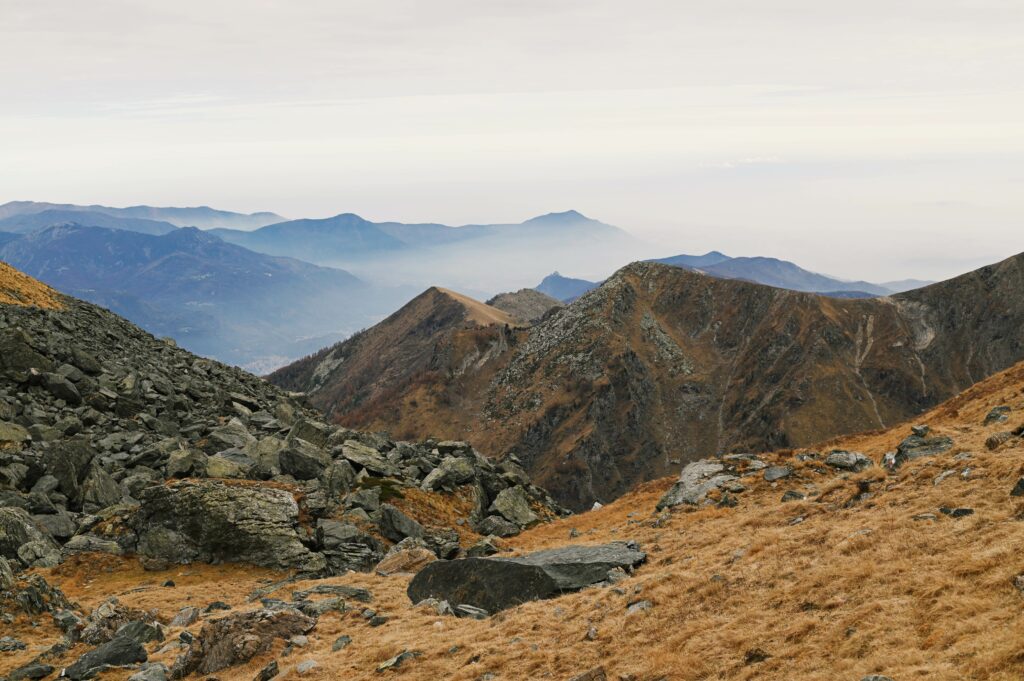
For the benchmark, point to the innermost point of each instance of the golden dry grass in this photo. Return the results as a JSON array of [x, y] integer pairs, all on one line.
[[856, 587], [481, 313], [17, 288]]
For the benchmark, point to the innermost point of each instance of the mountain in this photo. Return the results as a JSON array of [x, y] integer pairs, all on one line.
[[203, 217], [906, 284], [772, 272], [215, 298], [661, 364], [525, 304], [347, 235], [695, 261], [340, 237], [24, 223], [565, 289], [478, 258], [438, 336]]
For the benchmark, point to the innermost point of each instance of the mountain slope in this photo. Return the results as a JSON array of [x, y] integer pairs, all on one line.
[[215, 298], [660, 364], [25, 223], [200, 216], [864, 575], [439, 336]]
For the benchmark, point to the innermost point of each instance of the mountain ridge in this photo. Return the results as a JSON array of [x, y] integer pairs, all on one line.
[[640, 371]]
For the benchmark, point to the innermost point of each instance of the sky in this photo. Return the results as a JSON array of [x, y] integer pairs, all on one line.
[[875, 140]]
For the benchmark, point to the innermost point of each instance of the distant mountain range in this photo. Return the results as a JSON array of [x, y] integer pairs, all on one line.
[[203, 217], [25, 223], [664, 364], [214, 298], [347, 235], [758, 270]]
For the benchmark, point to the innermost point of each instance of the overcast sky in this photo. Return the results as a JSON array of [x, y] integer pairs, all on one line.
[[870, 139]]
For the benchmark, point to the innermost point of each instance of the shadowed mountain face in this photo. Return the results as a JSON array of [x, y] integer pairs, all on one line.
[[660, 365], [525, 304], [215, 298], [202, 216], [25, 223], [565, 289]]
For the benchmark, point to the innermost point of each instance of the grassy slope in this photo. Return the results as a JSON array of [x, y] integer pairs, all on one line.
[[853, 589]]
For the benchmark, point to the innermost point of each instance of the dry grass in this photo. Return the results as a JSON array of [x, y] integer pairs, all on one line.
[[857, 587], [20, 289]]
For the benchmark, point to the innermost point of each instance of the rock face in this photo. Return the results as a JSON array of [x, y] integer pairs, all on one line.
[[238, 638], [494, 584], [607, 391], [212, 521]]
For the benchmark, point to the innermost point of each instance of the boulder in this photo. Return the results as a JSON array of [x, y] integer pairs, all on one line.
[[368, 458], [118, 651], [513, 504], [916, 446], [210, 521], [773, 473], [485, 583], [451, 472], [61, 388], [346, 547], [303, 461], [12, 435], [847, 461], [695, 481], [1000, 414], [495, 584], [497, 526], [21, 540], [32, 670], [574, 567], [410, 560], [396, 526], [239, 637]]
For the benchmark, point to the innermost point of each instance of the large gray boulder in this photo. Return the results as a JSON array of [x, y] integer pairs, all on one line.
[[916, 446], [695, 481], [214, 521], [482, 583], [847, 460], [574, 567], [498, 583], [116, 652], [513, 504]]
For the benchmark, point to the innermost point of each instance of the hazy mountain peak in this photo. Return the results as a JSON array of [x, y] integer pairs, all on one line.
[[563, 217]]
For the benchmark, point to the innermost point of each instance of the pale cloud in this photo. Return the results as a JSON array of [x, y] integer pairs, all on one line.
[[857, 138]]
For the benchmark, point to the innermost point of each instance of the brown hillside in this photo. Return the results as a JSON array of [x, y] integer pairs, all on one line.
[[20, 289], [660, 365], [440, 338], [841, 585]]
